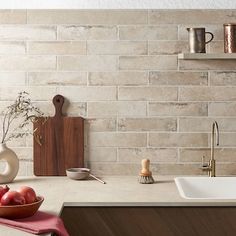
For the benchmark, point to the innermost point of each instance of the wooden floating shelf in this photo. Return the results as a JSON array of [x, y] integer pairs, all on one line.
[[207, 56]]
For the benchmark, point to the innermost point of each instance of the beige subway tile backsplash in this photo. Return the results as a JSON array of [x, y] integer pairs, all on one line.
[[201, 124], [12, 47], [118, 108], [117, 47], [164, 32], [222, 109], [147, 124], [207, 94], [147, 93], [103, 17], [88, 62], [178, 109], [78, 32], [13, 16], [118, 78], [83, 93], [27, 32], [57, 78], [191, 16], [223, 78], [205, 65], [167, 47], [148, 62], [119, 70], [113, 139], [27, 63], [155, 155], [57, 47], [178, 78], [178, 139]]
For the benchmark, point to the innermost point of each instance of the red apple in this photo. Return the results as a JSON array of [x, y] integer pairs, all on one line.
[[12, 198], [3, 190], [28, 193]]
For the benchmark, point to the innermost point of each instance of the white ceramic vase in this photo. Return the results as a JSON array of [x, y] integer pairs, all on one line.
[[12, 164]]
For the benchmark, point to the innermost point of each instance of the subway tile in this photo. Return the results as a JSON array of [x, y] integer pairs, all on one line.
[[196, 154], [155, 155], [90, 62], [191, 16], [167, 47], [164, 32], [178, 78], [205, 124], [13, 78], [207, 94], [227, 139], [226, 169], [177, 169], [178, 109], [100, 154], [27, 32], [163, 62], [12, 47], [100, 124], [148, 93], [79, 32], [117, 47], [222, 109], [57, 78], [207, 65], [88, 93], [178, 139], [118, 108], [87, 17], [57, 47], [118, 78], [223, 78], [36, 93], [13, 16], [113, 139], [147, 124], [27, 63], [111, 168]]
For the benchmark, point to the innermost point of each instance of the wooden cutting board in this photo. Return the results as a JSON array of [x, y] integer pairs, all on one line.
[[58, 142]]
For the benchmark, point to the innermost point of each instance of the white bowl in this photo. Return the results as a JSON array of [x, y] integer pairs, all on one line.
[[78, 173]]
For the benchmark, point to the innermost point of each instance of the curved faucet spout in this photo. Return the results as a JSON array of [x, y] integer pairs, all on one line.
[[215, 127]]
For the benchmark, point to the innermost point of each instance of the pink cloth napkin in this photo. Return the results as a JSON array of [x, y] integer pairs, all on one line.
[[39, 223]]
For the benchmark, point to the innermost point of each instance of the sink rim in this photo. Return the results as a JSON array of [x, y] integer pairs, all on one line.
[[184, 194]]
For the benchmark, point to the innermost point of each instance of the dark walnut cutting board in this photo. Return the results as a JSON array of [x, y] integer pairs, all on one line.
[[58, 142]]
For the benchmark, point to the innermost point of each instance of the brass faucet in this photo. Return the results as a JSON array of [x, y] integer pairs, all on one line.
[[211, 165]]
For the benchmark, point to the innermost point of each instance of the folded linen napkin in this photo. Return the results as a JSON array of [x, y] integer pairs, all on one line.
[[39, 223]]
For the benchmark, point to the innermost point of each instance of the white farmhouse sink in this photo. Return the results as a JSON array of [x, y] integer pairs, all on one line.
[[206, 187]]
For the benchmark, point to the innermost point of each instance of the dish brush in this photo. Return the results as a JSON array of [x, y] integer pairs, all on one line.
[[145, 176]]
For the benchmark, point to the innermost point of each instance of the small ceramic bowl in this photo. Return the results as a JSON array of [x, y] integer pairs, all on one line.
[[20, 211], [78, 173]]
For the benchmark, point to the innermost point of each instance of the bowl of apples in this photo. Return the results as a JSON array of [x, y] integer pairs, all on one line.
[[18, 204]]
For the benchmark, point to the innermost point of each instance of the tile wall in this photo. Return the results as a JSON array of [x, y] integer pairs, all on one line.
[[119, 70]]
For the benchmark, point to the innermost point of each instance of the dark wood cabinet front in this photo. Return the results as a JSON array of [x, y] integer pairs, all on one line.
[[150, 221]]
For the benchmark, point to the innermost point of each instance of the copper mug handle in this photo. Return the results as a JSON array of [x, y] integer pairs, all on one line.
[[212, 37]]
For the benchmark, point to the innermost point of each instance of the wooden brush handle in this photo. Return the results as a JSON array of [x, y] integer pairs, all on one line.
[[145, 167]]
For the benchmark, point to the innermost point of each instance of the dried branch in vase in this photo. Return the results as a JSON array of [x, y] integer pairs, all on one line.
[[23, 110]]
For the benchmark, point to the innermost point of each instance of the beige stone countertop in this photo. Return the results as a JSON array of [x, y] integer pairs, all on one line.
[[124, 190]]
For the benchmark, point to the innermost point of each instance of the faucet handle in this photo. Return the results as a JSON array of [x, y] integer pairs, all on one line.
[[204, 164]]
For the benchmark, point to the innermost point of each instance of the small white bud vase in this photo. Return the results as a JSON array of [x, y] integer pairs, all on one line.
[[12, 164]]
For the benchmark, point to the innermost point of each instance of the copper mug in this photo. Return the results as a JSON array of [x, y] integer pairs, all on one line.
[[229, 38], [197, 39]]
